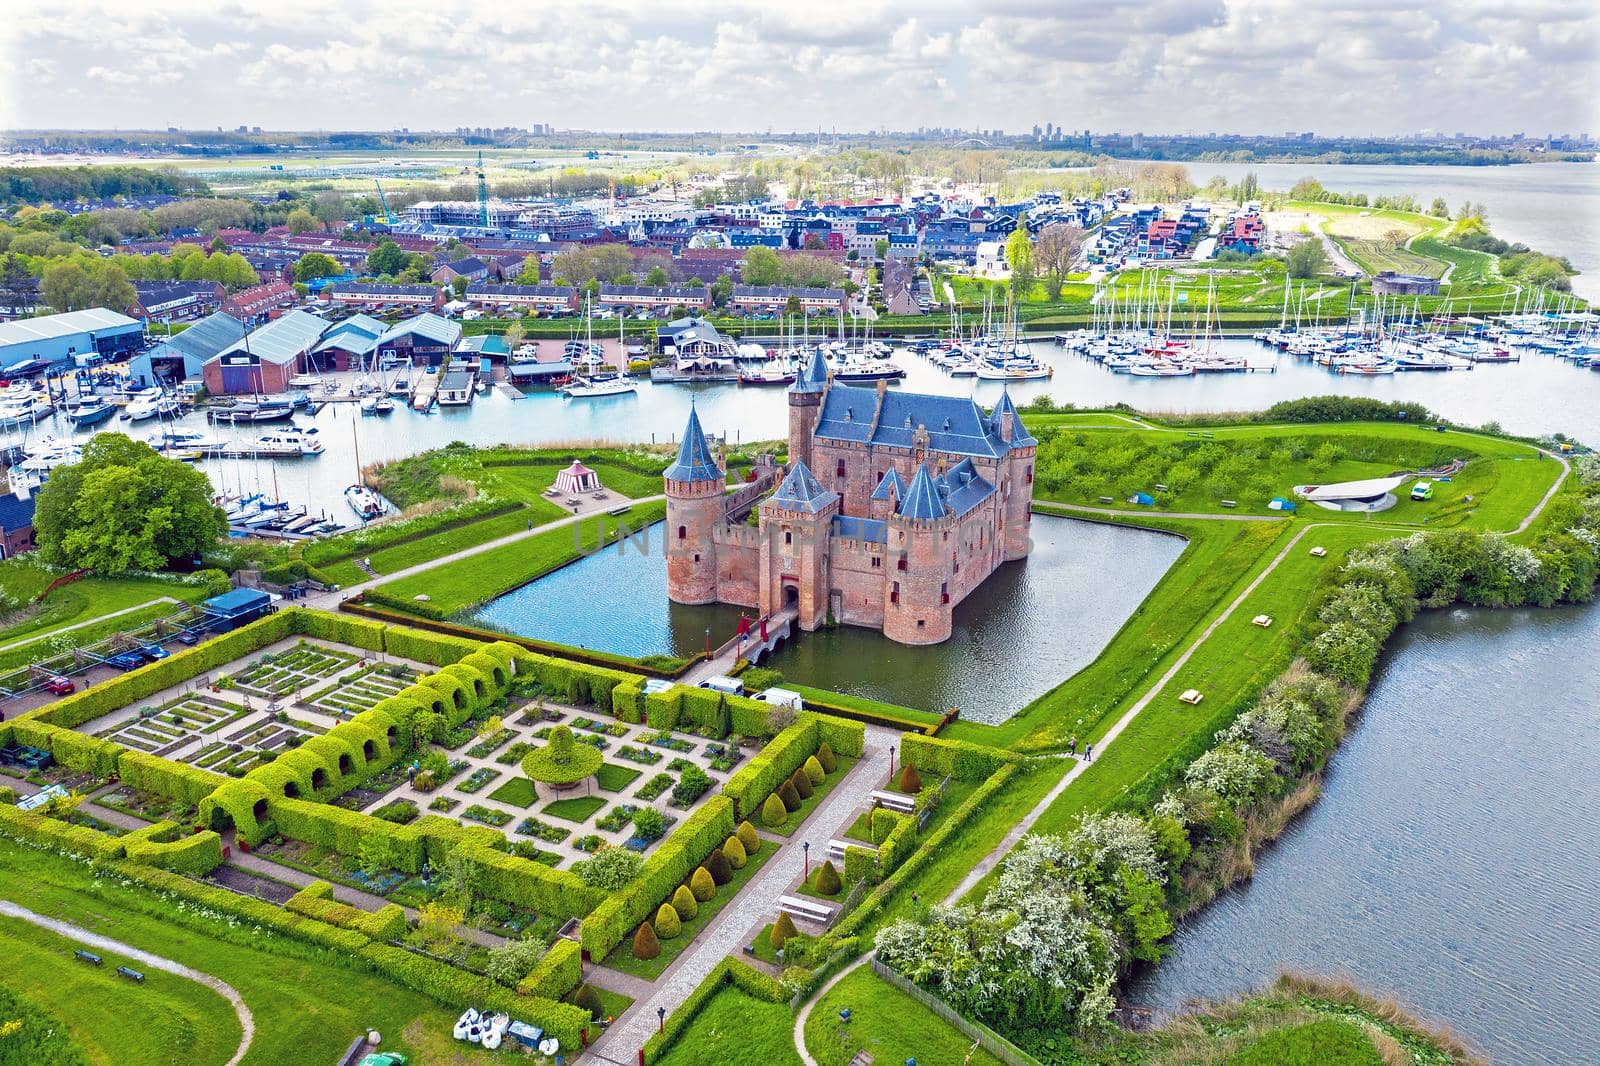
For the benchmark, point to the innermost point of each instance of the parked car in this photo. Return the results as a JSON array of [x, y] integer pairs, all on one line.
[[153, 652], [59, 686], [125, 660]]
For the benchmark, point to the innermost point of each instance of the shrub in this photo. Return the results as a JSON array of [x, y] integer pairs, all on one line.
[[828, 879], [909, 781], [649, 823], [825, 756], [645, 944], [556, 974], [749, 837], [691, 786], [782, 930], [611, 869], [720, 869], [683, 902], [774, 813], [788, 796], [953, 758], [589, 1000], [703, 885], [514, 961], [733, 853], [667, 923], [802, 784], [562, 761], [814, 771]]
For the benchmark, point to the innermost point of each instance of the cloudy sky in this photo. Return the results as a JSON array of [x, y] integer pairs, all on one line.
[[1334, 66]]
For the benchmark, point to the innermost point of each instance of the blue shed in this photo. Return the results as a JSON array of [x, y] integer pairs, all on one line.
[[233, 609], [1280, 504]]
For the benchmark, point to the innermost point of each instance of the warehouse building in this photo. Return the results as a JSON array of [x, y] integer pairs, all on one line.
[[264, 360], [73, 339], [182, 356]]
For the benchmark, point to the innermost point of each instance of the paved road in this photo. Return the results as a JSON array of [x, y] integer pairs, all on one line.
[[247, 1023], [755, 903]]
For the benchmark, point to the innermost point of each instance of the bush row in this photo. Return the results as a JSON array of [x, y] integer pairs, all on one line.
[[557, 973], [783, 755], [958, 759], [160, 845], [523, 882], [674, 860], [316, 901]]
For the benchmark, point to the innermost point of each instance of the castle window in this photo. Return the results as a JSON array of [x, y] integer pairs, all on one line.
[[920, 623], [901, 565], [876, 562], [894, 592], [697, 557], [1030, 474], [944, 593], [788, 537], [958, 566], [839, 470]]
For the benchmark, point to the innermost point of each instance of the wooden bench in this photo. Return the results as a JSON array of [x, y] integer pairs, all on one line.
[[88, 956], [836, 848], [808, 909], [895, 801], [1230, 503], [1262, 620], [1319, 551], [132, 975]]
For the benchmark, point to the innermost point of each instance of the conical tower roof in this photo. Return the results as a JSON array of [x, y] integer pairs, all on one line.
[[695, 461], [922, 500], [813, 376]]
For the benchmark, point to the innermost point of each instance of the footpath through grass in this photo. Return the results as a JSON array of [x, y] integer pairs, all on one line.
[[78, 602], [164, 1019], [881, 1024], [308, 1004]]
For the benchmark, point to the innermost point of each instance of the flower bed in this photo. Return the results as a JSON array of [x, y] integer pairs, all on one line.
[[617, 817], [655, 787], [550, 834], [513, 755], [639, 755], [444, 804], [477, 779], [487, 815], [486, 745], [665, 739]]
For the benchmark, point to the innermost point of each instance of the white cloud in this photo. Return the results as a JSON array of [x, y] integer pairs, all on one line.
[[1377, 66]]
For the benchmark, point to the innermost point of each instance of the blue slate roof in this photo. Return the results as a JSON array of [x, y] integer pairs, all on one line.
[[15, 512], [891, 487], [801, 491], [813, 377], [922, 501], [867, 529], [963, 488], [955, 424], [694, 462], [1020, 437]]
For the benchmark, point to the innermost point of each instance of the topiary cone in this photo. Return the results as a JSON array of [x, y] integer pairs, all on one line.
[[667, 923], [733, 853], [683, 902], [828, 879], [782, 930], [909, 781], [702, 885], [720, 868], [749, 837], [825, 756], [814, 771], [789, 797], [589, 1000], [773, 812], [645, 944], [802, 784]]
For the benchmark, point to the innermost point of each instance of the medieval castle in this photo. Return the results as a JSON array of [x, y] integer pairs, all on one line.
[[895, 506]]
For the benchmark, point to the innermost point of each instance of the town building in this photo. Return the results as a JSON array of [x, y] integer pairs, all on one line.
[[263, 360], [260, 301], [472, 268], [1389, 283], [16, 524], [348, 344], [373, 295], [654, 297], [894, 508], [175, 301], [523, 298], [776, 298], [426, 340], [68, 340]]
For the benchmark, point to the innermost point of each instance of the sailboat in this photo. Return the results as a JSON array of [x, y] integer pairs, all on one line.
[[594, 386], [363, 501]]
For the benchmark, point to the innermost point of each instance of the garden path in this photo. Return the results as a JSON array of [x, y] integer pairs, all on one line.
[[247, 1023], [96, 620], [757, 902]]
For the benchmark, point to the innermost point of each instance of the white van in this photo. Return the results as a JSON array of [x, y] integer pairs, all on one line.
[[728, 686], [781, 697]]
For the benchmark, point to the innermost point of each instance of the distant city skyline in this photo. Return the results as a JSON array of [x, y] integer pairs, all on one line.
[[1345, 67]]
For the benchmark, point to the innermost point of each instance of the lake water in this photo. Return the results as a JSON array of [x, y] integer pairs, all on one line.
[[1538, 395], [1551, 207], [1452, 858], [1032, 624]]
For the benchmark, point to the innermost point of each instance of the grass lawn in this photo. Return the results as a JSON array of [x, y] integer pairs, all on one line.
[[621, 957], [733, 1027], [886, 1023], [861, 829], [478, 578], [437, 545], [1311, 1044], [80, 601], [862, 703], [809, 886], [518, 792], [284, 982], [614, 778], [797, 818], [576, 809], [613, 1002], [176, 1019]]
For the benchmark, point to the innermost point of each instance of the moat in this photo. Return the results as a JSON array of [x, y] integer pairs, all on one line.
[[1028, 627]]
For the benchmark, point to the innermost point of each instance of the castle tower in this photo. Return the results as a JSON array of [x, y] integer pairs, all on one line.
[[796, 523], [1015, 478], [917, 607], [805, 402], [694, 486]]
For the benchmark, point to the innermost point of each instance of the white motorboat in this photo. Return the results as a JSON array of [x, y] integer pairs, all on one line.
[[147, 405], [304, 381], [47, 453], [1161, 368], [27, 410], [1013, 370], [594, 387], [289, 442], [364, 502]]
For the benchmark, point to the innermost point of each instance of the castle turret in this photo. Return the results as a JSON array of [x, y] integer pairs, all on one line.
[[918, 609], [795, 525], [805, 399], [1015, 478], [695, 485]]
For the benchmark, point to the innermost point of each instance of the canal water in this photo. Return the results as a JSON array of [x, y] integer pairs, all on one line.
[[1030, 625], [1540, 394], [1452, 859]]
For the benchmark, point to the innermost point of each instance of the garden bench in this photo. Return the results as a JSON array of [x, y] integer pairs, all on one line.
[[1107, 499], [132, 975], [836, 848], [1230, 503], [807, 909], [895, 801], [1319, 551], [88, 956], [1262, 620]]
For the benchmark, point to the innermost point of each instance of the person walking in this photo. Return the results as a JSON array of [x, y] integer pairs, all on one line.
[[1072, 745], [1088, 753]]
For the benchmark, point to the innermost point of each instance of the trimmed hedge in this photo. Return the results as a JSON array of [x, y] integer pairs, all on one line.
[[342, 629], [163, 777], [526, 883], [342, 830], [729, 971], [316, 901], [958, 759], [244, 804], [620, 913], [160, 845], [555, 975], [56, 835], [768, 771], [431, 648]]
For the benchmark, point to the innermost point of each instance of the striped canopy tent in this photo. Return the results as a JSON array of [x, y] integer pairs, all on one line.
[[577, 479]]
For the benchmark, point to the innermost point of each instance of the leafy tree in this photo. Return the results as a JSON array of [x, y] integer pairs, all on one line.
[[657, 277], [375, 854], [514, 335], [1019, 257], [387, 258], [611, 868], [649, 823], [511, 961], [76, 286], [529, 274], [813, 243], [880, 247], [722, 290], [791, 306], [301, 221], [1306, 259], [316, 265], [124, 507], [1056, 252], [1440, 209], [761, 267], [18, 287], [459, 285]]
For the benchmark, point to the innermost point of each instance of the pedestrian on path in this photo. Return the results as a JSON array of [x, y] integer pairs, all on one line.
[[1072, 745], [1088, 753]]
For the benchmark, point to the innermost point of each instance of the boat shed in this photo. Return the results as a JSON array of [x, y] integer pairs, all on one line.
[[73, 339], [233, 609], [427, 339], [182, 356], [265, 359]]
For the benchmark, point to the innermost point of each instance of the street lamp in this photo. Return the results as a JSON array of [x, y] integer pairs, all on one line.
[[661, 1019], [708, 642], [805, 848]]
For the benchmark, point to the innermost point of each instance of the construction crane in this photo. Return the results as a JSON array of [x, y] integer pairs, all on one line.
[[388, 215], [483, 194]]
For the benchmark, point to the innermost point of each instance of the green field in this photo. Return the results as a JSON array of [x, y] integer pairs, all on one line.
[[736, 1027], [81, 601], [880, 1024]]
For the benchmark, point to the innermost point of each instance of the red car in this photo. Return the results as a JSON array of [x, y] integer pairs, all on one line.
[[59, 686]]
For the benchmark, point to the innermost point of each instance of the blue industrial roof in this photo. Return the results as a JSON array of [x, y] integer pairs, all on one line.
[[922, 500], [66, 324], [868, 529], [891, 487], [802, 492], [694, 462], [230, 603], [206, 337], [955, 424]]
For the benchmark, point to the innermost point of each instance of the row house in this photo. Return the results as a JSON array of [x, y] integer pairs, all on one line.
[[175, 301], [523, 298], [375, 295], [261, 301], [776, 298], [654, 296]]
